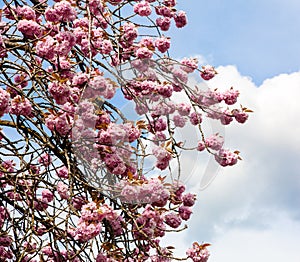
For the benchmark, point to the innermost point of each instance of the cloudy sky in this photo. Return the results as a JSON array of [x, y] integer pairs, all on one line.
[[251, 212]]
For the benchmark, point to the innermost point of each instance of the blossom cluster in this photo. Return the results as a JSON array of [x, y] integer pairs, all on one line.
[[74, 168]]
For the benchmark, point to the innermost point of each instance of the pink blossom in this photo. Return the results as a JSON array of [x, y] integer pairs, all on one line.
[[20, 106], [62, 123], [29, 28], [130, 33], [195, 118], [159, 125], [180, 19], [180, 75], [5, 240], [189, 64], [226, 158], [26, 12], [208, 72], [14, 196], [65, 41], [45, 47], [45, 159], [60, 92], [240, 116], [188, 199], [80, 79], [170, 3], [165, 89], [63, 190], [105, 47], [61, 12], [214, 142], [4, 102], [179, 121], [62, 172], [173, 220], [78, 202], [226, 117], [198, 253], [47, 195], [163, 44], [230, 96], [163, 157], [183, 109], [143, 52], [150, 223], [41, 230], [100, 86], [163, 23], [21, 79], [96, 6], [201, 146], [185, 212], [142, 8], [164, 11]]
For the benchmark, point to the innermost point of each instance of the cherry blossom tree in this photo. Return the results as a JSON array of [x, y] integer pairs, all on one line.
[[81, 179]]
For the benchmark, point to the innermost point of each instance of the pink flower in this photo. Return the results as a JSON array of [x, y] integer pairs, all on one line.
[[60, 92], [208, 72], [143, 52], [226, 158], [226, 117], [4, 102], [179, 121], [105, 47], [163, 44], [165, 89], [78, 202], [45, 47], [183, 109], [240, 116], [20, 106], [45, 159], [47, 195], [63, 190], [214, 142], [189, 65], [188, 199], [29, 28], [142, 8], [130, 33], [62, 172], [185, 212], [164, 11], [198, 253], [195, 118], [201, 146], [173, 220], [163, 157], [170, 3], [180, 19], [26, 12], [230, 96], [61, 12], [163, 23]]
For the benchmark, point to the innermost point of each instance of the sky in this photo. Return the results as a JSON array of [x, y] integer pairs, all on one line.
[[250, 212]]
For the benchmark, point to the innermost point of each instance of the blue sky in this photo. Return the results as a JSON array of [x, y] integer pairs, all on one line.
[[260, 37], [251, 212]]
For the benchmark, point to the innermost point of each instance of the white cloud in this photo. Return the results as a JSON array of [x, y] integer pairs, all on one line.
[[251, 211]]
